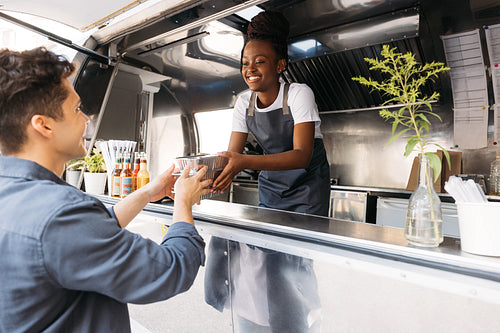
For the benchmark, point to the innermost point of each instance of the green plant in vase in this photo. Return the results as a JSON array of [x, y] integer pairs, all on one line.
[[404, 78]]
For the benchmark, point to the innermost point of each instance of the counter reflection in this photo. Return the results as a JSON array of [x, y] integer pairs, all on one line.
[[266, 290]]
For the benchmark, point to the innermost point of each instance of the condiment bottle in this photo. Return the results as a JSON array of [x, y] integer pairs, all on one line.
[[495, 176], [137, 165], [115, 178], [143, 174], [126, 178]]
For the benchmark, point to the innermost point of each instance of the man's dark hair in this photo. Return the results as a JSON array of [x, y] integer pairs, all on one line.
[[30, 84], [273, 27]]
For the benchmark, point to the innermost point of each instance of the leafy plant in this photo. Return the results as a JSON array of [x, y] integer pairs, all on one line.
[[95, 162], [76, 164], [404, 79]]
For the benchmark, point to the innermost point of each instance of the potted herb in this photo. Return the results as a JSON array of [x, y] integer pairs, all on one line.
[[403, 79], [95, 172], [73, 170]]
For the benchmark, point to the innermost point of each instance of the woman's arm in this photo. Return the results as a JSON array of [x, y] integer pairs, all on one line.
[[299, 157]]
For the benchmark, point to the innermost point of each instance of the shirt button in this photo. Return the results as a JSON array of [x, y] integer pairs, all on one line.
[[225, 253], [226, 282]]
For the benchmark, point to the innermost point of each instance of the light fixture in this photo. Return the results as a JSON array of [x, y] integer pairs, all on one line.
[[181, 41]]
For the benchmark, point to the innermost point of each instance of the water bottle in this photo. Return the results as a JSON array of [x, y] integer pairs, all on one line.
[[495, 176]]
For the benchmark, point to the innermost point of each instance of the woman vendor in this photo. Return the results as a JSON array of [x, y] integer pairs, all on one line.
[[271, 291], [285, 121]]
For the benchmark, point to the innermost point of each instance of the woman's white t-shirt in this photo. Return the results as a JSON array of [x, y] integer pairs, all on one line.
[[300, 101]]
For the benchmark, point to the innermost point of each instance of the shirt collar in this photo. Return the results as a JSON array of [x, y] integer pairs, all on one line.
[[21, 168]]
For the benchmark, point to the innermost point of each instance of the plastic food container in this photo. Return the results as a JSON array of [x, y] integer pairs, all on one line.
[[214, 163], [479, 225]]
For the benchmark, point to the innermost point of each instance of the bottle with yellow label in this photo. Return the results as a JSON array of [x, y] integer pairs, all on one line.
[[143, 174]]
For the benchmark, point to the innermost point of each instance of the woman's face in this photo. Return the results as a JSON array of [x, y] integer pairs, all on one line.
[[260, 65]]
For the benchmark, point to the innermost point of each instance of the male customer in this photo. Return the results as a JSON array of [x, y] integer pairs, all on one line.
[[66, 264]]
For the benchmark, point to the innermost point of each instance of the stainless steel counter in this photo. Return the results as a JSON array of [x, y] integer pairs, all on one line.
[[378, 241], [336, 270]]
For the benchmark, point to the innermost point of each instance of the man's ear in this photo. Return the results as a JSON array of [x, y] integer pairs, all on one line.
[[42, 125]]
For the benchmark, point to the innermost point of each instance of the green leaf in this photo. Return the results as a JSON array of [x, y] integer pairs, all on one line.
[[394, 137], [395, 125], [410, 146], [446, 154], [435, 164]]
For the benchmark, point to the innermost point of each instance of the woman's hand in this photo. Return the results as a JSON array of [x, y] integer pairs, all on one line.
[[233, 167]]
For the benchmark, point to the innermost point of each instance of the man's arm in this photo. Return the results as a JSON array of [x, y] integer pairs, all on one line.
[[187, 193]]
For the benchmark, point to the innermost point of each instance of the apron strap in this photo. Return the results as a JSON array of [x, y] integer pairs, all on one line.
[[251, 105], [286, 109]]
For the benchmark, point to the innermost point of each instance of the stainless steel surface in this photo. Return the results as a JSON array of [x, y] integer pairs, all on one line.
[[375, 30], [350, 206], [390, 294], [391, 212], [244, 193], [373, 108], [385, 191], [355, 146], [364, 238], [209, 12]]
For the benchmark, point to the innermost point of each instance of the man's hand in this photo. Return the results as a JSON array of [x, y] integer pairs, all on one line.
[[188, 191], [162, 185]]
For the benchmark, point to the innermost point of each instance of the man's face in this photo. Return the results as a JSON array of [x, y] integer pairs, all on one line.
[[69, 141]]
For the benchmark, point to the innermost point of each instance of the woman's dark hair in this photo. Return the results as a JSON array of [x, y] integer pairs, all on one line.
[[273, 27], [30, 84]]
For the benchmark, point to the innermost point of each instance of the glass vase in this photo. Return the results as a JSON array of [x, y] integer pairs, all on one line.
[[424, 221]]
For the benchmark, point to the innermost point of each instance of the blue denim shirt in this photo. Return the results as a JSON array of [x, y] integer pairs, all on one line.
[[67, 266]]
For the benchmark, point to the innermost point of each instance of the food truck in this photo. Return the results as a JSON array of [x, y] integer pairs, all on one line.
[[165, 74]]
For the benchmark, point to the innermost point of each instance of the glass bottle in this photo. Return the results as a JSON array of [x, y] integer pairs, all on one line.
[[424, 221], [137, 165], [115, 177], [143, 174], [126, 178], [495, 176]]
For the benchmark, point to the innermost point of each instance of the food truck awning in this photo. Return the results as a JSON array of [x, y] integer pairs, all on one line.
[[85, 15]]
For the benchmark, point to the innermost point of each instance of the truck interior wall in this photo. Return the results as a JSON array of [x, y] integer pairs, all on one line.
[[201, 81], [356, 148]]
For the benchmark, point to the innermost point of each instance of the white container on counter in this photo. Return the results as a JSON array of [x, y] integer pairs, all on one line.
[[479, 225]]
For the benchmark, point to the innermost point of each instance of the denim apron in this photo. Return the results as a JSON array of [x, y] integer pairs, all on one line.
[[298, 190]]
